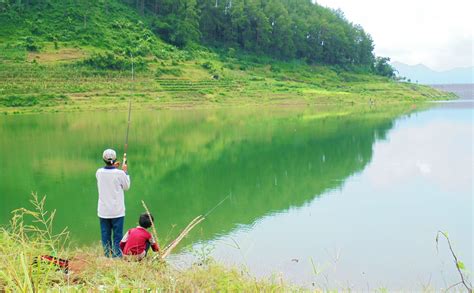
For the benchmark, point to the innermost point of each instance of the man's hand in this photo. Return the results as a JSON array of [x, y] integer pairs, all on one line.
[[125, 168]]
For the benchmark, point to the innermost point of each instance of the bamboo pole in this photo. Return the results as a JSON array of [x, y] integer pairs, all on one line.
[[155, 235], [162, 254], [184, 233]]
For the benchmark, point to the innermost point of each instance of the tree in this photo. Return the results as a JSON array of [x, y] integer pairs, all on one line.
[[281, 28], [281, 36], [187, 30], [256, 34], [383, 68]]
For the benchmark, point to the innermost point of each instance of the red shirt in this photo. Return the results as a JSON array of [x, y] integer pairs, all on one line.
[[134, 242]]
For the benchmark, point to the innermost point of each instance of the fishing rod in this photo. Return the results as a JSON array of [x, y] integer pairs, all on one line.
[[125, 149]]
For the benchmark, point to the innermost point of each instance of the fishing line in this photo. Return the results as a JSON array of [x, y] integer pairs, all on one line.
[[217, 205]]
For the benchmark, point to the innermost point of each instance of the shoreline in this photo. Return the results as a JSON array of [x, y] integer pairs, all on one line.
[[122, 105]]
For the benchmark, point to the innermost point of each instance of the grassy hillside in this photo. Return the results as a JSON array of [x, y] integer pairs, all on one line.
[[66, 57]]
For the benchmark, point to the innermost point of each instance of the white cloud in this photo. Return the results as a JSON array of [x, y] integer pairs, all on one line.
[[436, 33], [407, 156]]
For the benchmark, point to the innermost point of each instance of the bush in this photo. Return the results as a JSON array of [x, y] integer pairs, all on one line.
[[168, 71], [32, 100], [207, 65], [383, 68], [113, 61], [230, 66], [31, 45], [231, 52], [19, 101], [275, 69], [244, 67]]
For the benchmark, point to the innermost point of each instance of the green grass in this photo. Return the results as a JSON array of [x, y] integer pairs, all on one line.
[[190, 83], [55, 53], [30, 235], [43, 100]]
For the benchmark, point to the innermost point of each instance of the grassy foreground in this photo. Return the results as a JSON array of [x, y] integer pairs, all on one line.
[[30, 235]]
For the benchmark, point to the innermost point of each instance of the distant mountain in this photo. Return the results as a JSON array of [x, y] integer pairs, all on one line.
[[426, 75]]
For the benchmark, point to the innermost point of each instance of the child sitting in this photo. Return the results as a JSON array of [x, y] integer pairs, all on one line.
[[137, 241]]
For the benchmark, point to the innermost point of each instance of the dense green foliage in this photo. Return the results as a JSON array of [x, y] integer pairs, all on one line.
[[286, 29], [382, 67], [108, 26], [32, 100], [84, 50], [281, 29]]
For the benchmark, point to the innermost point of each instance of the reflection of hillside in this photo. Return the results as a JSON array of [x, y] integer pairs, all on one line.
[[268, 174], [183, 163]]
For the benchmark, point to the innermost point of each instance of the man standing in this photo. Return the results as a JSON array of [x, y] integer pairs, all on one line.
[[111, 183]]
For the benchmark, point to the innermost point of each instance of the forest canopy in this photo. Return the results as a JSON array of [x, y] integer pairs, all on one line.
[[282, 29], [285, 29]]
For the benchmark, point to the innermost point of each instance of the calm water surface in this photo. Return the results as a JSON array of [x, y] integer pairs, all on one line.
[[342, 200]]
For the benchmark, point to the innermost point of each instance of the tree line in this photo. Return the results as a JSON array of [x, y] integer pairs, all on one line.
[[283, 29]]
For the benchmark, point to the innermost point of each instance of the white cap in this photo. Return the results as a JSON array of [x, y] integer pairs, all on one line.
[[109, 155]]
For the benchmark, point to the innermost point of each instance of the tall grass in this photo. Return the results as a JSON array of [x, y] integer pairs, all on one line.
[[30, 234]]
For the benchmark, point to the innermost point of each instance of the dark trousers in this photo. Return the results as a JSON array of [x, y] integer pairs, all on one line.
[[111, 243]]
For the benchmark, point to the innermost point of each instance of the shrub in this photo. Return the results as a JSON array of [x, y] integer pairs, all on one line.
[[207, 65], [168, 71], [113, 61], [19, 101], [32, 100], [230, 66], [382, 67], [231, 52], [275, 69], [244, 67], [31, 45]]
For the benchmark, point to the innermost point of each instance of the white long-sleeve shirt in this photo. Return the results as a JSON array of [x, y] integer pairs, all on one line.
[[111, 183]]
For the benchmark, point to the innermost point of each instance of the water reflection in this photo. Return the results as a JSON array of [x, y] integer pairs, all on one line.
[[378, 229], [183, 163]]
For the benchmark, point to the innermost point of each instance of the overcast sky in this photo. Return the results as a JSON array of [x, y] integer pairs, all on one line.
[[437, 33]]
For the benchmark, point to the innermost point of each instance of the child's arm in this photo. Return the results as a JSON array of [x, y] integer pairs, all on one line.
[[154, 245], [123, 241]]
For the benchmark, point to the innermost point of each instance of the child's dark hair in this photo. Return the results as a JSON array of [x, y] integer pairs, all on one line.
[[145, 220]]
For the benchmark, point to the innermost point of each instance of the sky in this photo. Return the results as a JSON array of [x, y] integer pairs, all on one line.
[[436, 33]]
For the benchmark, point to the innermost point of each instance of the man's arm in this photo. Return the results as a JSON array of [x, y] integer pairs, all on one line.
[[125, 178]]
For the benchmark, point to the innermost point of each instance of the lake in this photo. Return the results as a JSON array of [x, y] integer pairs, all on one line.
[[328, 198]]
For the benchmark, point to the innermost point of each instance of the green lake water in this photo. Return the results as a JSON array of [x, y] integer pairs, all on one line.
[[274, 168], [183, 163]]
